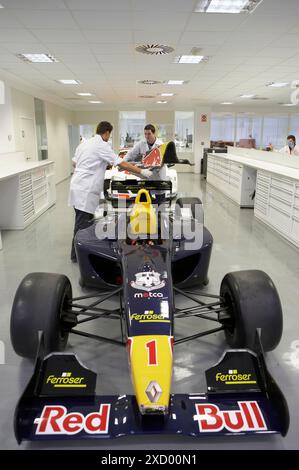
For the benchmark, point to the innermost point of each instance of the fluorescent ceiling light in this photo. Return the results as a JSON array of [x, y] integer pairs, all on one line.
[[246, 96], [226, 6], [37, 57], [174, 82], [188, 59], [70, 82], [277, 84], [289, 104], [166, 94], [226, 102], [84, 94], [161, 102], [95, 102]]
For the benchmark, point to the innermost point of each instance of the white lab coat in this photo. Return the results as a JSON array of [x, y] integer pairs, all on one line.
[[140, 149], [91, 158], [286, 149]]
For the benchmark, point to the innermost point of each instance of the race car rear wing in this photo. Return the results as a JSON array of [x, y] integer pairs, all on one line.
[[60, 403], [135, 185]]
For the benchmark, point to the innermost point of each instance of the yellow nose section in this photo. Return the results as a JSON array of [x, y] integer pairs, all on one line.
[[143, 218], [151, 368]]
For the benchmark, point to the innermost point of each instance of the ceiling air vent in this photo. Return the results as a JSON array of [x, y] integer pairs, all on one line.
[[146, 96], [148, 82], [154, 49], [259, 98]]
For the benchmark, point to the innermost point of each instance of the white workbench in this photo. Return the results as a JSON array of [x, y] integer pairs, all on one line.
[[274, 177], [27, 189]]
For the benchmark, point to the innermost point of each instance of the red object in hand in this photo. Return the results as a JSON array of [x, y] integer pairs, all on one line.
[[153, 158]]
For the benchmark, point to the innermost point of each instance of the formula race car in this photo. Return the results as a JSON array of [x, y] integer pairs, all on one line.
[[60, 400]]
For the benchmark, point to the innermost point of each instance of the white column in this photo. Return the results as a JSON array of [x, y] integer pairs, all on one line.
[[202, 125]]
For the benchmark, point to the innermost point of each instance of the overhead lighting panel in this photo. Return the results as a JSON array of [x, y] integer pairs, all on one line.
[[69, 82], [227, 102], [84, 94], [39, 58], [188, 59], [246, 96], [277, 84], [166, 94], [95, 102], [226, 6], [161, 102], [175, 82]]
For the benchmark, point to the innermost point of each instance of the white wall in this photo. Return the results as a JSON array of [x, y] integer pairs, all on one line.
[[57, 122], [22, 107], [7, 141]]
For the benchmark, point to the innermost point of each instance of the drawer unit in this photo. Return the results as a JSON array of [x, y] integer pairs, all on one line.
[[25, 196]]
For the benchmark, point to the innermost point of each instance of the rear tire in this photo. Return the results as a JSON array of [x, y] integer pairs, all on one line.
[[196, 207], [40, 304], [253, 303]]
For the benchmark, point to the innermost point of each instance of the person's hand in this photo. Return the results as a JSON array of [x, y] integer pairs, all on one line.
[[146, 173]]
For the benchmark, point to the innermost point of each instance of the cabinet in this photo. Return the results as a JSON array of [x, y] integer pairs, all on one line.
[[25, 196], [277, 204], [236, 181]]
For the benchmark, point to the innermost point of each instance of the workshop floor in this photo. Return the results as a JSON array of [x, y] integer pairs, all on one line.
[[240, 242]]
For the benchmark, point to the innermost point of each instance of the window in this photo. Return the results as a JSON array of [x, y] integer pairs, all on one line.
[[131, 127], [222, 127], [249, 127], [88, 130], [275, 131], [294, 126], [184, 130]]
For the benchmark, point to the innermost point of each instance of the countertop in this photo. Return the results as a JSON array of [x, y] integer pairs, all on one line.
[[10, 169], [287, 171]]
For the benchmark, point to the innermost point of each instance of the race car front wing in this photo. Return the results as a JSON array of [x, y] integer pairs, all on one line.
[[60, 403]]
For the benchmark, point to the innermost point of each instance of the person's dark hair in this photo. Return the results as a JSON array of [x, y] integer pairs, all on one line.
[[291, 137], [150, 127], [103, 127]]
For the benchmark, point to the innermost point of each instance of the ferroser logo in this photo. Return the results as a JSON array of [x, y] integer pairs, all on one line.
[[234, 378], [65, 381], [248, 417], [56, 420]]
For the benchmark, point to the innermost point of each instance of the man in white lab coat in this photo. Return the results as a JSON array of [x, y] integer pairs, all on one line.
[[291, 148], [144, 146], [140, 149], [90, 161]]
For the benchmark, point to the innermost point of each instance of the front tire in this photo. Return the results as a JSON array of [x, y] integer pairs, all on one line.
[[253, 302], [40, 304]]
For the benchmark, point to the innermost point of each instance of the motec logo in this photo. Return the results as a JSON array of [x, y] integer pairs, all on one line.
[[248, 417], [65, 381], [55, 420], [148, 295], [233, 377]]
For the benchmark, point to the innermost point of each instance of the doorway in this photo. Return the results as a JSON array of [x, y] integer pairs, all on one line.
[[28, 138]]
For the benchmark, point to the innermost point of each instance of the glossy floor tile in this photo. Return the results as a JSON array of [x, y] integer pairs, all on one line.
[[240, 242]]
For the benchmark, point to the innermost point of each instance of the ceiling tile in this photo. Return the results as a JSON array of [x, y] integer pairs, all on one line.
[[114, 5], [215, 22], [51, 19], [154, 37], [16, 35], [103, 20], [164, 5], [202, 38], [162, 22], [34, 4], [111, 36], [59, 36]]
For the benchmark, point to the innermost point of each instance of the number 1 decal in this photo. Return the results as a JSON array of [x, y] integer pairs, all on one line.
[[152, 353]]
